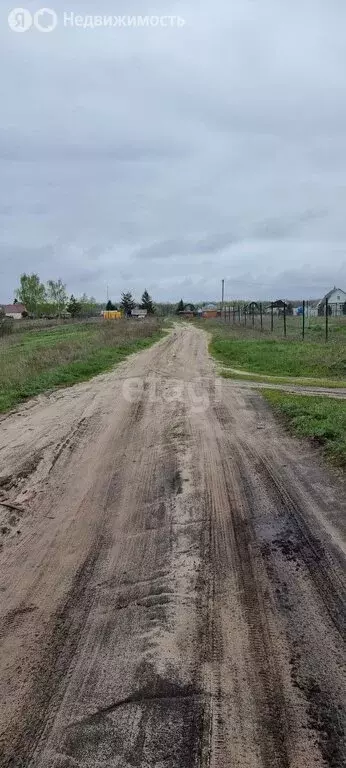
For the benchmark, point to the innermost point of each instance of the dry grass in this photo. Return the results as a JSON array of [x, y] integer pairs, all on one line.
[[39, 360]]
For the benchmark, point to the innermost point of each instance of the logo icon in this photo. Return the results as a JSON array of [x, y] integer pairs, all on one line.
[[45, 20], [19, 20]]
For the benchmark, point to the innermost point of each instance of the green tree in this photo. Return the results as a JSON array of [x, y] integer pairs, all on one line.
[[109, 306], [180, 307], [57, 295], [147, 303], [74, 306], [127, 302], [31, 293], [88, 305], [165, 308]]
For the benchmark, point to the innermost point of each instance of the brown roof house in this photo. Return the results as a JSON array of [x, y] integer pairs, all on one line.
[[14, 310]]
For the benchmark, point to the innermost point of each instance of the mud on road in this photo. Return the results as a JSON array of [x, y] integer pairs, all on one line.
[[172, 577]]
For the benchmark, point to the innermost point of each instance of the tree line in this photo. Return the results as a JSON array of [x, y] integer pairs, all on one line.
[[128, 303], [51, 299]]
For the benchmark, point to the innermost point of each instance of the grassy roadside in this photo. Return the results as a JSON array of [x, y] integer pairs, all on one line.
[[274, 360], [280, 358], [320, 419], [61, 357]]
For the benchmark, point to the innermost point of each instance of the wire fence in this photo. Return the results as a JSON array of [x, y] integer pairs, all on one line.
[[278, 319]]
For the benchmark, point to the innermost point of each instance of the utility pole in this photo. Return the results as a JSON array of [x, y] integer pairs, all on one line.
[[222, 293]]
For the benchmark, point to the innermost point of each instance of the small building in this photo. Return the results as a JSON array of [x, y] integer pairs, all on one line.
[[277, 307], [138, 313], [336, 303], [210, 311], [311, 309], [16, 310], [112, 314], [188, 313]]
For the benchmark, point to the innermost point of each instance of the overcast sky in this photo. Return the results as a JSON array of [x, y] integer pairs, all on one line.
[[169, 158]]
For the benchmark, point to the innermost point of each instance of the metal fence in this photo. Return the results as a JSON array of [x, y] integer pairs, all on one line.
[[280, 321]]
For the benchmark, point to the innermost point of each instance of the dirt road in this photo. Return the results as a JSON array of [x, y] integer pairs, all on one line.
[[172, 577]]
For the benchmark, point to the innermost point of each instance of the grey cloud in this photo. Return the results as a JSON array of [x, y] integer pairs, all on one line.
[[285, 226], [212, 243], [174, 158], [161, 250]]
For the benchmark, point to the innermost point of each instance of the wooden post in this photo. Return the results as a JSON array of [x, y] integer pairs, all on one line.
[[253, 316], [233, 314], [272, 318], [327, 320], [285, 323], [261, 311], [239, 314]]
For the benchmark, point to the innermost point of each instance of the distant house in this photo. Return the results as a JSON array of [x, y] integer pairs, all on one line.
[[210, 311], [311, 309], [189, 313], [139, 313], [277, 307], [336, 302], [14, 310]]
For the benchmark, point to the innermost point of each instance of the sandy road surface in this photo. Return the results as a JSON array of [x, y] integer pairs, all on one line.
[[172, 577]]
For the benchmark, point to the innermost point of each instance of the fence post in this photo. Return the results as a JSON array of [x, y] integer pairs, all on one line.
[[303, 331], [244, 315], [285, 323], [229, 314], [233, 314], [327, 320], [239, 316], [261, 313], [253, 317], [272, 318]]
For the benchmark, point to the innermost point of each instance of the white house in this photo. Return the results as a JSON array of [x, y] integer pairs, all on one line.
[[336, 300], [14, 310], [139, 313]]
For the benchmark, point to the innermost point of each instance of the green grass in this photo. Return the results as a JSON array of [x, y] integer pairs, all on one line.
[[314, 328], [63, 356], [265, 355], [321, 419], [282, 358]]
